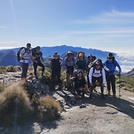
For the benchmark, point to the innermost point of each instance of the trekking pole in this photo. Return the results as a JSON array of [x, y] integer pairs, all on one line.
[[119, 84]]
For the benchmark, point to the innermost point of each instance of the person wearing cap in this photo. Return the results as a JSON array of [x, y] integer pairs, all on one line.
[[97, 73], [80, 84], [55, 65], [37, 57], [69, 64], [110, 66], [25, 55], [81, 62]]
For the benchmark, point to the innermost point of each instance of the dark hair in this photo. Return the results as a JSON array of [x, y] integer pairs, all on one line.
[[110, 54], [28, 44], [38, 47]]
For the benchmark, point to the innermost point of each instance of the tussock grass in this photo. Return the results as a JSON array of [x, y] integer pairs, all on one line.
[[2, 86], [14, 105], [13, 68], [2, 69], [48, 109]]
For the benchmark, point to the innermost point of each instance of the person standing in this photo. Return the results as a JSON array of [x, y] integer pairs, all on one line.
[[110, 66], [81, 62], [25, 55], [89, 65], [55, 65], [97, 73], [37, 57], [69, 64]]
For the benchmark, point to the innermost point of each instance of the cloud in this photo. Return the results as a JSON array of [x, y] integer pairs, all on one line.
[[112, 17], [126, 61], [8, 42]]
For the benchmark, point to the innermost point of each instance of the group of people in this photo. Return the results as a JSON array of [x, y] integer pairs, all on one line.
[[80, 74]]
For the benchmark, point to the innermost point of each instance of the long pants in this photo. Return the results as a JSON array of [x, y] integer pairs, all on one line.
[[55, 77], [99, 79], [24, 70], [35, 65], [111, 82]]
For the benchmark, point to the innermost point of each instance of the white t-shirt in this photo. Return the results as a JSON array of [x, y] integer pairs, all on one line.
[[25, 54], [97, 73]]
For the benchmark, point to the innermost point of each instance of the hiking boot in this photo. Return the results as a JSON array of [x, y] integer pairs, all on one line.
[[82, 95], [36, 77], [77, 96], [108, 93], [90, 96], [114, 95], [95, 90], [102, 96]]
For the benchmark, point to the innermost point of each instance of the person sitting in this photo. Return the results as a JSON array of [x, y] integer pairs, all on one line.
[[97, 73], [37, 57]]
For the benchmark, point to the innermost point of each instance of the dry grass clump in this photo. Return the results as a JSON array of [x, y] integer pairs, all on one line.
[[2, 86], [2, 69], [14, 105], [48, 109], [10, 69]]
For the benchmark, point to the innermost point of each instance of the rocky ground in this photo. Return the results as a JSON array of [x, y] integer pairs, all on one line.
[[87, 116]]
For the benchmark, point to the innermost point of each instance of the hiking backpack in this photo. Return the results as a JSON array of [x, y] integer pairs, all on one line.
[[18, 53], [92, 64]]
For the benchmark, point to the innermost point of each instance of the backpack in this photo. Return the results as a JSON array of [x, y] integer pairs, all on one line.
[[72, 60], [92, 64], [18, 53], [33, 50]]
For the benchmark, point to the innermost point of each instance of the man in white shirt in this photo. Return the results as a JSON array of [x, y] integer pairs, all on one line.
[[25, 55], [97, 73]]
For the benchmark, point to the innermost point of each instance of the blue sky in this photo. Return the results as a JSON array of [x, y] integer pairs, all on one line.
[[100, 24]]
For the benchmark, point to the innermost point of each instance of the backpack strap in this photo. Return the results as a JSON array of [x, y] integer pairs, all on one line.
[[100, 70]]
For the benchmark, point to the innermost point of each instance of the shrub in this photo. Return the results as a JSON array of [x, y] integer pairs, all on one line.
[[14, 105]]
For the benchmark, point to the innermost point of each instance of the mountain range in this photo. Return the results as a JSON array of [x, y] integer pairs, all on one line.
[[8, 56]]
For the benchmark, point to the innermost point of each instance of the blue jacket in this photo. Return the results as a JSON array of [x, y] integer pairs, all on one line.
[[111, 65]]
